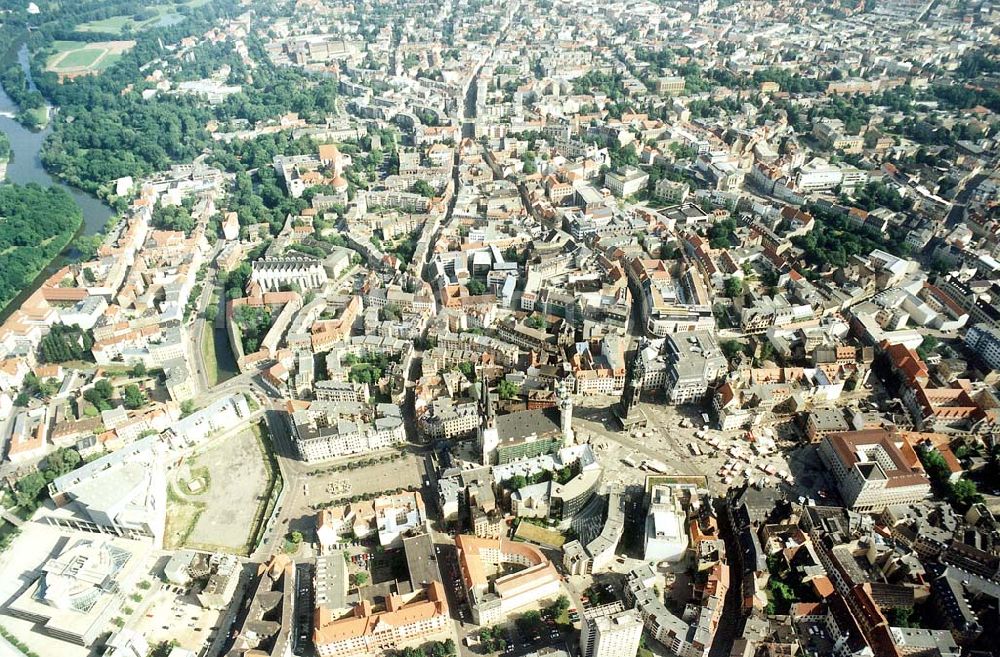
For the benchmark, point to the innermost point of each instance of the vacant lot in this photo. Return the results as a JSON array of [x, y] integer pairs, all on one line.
[[535, 534], [230, 475], [75, 58], [180, 618]]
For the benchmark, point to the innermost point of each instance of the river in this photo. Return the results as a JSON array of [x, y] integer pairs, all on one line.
[[26, 163], [26, 167]]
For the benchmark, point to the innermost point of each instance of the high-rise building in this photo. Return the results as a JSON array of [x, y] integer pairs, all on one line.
[[610, 631]]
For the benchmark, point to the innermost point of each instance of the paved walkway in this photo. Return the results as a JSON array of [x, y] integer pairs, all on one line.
[[11, 518]]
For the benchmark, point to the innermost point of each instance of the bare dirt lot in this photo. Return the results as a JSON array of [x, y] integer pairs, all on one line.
[[230, 474]]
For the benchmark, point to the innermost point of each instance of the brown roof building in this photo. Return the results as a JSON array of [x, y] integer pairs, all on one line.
[[492, 594], [404, 620], [874, 469]]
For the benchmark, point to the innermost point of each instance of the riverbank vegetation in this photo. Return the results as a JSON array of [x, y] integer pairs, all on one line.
[[36, 224], [33, 113]]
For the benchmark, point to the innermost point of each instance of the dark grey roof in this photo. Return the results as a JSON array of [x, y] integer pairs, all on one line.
[[520, 425], [421, 561]]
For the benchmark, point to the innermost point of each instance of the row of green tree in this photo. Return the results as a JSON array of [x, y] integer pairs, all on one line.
[[65, 343], [444, 648], [254, 322]]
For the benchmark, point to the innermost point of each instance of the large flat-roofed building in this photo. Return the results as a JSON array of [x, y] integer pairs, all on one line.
[[332, 581], [694, 363], [123, 493], [874, 469], [666, 536], [421, 560], [75, 595], [492, 595], [598, 553]]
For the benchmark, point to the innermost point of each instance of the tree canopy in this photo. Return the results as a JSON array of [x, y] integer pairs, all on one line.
[[36, 224]]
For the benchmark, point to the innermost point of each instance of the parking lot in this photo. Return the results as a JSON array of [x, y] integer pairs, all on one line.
[[178, 617]]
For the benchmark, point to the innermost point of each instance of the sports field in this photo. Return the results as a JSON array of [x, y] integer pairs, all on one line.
[[75, 58]]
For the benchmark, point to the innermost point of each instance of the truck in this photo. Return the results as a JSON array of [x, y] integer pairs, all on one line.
[[694, 449], [655, 466]]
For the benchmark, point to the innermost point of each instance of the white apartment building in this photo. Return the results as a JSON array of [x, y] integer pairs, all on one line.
[[626, 182], [818, 175], [273, 274], [321, 434], [984, 341], [611, 631], [666, 536]]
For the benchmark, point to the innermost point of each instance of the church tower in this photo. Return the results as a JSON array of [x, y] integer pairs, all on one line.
[[565, 403], [626, 409], [488, 438]]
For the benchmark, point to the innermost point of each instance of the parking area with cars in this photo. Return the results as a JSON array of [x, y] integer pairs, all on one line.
[[172, 616]]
